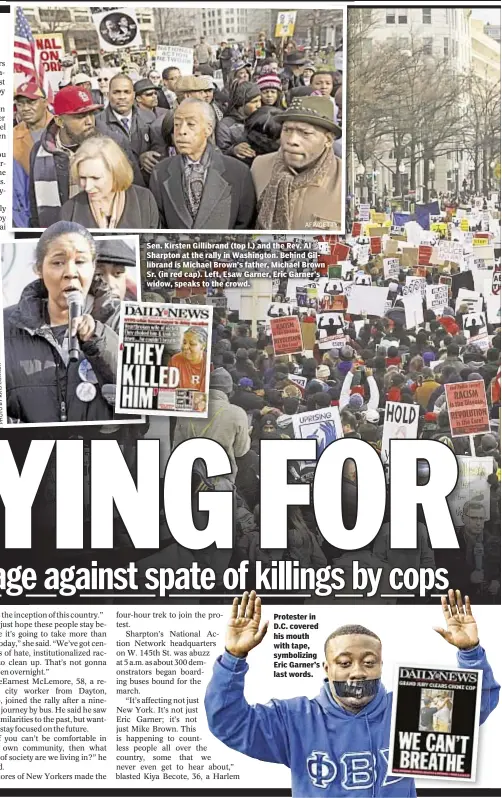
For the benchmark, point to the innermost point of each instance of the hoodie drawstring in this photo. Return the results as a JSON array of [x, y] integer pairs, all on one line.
[[374, 764]]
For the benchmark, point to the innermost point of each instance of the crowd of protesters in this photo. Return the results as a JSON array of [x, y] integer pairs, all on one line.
[[166, 150], [252, 398]]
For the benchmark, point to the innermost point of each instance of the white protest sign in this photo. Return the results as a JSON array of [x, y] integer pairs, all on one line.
[[414, 285], [367, 299], [436, 297], [401, 422], [181, 57], [297, 379], [472, 485], [324, 426], [413, 308], [117, 29], [364, 213], [330, 326], [472, 299], [391, 267], [474, 324]]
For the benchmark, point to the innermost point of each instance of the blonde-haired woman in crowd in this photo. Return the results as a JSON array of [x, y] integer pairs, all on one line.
[[108, 198]]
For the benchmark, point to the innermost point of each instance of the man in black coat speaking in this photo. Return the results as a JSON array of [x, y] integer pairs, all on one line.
[[199, 188]]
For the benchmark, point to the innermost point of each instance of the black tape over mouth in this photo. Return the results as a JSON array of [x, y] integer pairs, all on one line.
[[360, 688]]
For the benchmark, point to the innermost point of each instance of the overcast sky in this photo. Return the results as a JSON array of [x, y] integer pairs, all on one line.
[[491, 15]]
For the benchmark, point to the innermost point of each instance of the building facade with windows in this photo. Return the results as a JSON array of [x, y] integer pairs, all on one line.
[[442, 33]]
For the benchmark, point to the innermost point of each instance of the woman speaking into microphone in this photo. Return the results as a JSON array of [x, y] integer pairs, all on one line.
[[55, 366]]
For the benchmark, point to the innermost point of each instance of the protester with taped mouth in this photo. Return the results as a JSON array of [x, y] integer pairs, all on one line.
[[42, 384], [350, 717], [108, 198]]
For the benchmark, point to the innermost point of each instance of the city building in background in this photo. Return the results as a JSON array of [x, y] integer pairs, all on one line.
[[423, 105]]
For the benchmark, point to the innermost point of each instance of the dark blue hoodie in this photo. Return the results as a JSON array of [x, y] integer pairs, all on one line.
[[330, 751]]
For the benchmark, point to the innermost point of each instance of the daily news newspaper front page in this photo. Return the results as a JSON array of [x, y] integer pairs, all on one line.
[[250, 399]]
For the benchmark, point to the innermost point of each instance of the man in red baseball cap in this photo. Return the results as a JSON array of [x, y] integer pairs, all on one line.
[[31, 107], [50, 186]]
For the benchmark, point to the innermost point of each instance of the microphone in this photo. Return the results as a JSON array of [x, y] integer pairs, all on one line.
[[75, 302]]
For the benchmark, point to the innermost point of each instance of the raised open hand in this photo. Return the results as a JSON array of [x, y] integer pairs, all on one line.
[[461, 631], [243, 630]]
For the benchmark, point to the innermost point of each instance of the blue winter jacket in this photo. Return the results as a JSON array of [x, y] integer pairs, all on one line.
[[330, 752]]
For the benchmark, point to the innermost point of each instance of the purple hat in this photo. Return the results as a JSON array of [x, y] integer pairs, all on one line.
[[428, 357], [246, 382], [356, 401]]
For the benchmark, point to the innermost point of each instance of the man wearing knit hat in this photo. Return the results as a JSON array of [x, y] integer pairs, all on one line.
[[300, 186], [227, 424]]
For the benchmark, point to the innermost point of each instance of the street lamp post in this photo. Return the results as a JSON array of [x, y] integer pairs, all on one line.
[[360, 172], [455, 170], [402, 171]]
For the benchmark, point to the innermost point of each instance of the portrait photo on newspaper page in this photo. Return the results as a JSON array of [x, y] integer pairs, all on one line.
[[250, 392]]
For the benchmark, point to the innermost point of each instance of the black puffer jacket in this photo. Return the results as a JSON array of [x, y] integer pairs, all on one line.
[[38, 375]]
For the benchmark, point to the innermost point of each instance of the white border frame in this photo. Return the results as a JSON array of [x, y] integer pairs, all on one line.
[[57, 424], [475, 736], [165, 413], [212, 5]]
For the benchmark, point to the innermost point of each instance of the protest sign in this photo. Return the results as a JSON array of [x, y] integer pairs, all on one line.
[[278, 309], [341, 251], [467, 408], [356, 229], [163, 359], [413, 308], [415, 284], [400, 422], [496, 279], [364, 212], [472, 485], [169, 55], [471, 299], [424, 254], [286, 335], [324, 425], [435, 722], [50, 49], [436, 297], [330, 326], [409, 257], [367, 299], [285, 25], [391, 267], [309, 330], [117, 29], [375, 245], [474, 325], [299, 381]]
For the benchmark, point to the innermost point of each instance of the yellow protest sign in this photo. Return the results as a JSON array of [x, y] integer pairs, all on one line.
[[285, 25], [464, 225], [378, 218]]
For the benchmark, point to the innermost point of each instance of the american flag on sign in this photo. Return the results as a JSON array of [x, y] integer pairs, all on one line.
[[24, 47]]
